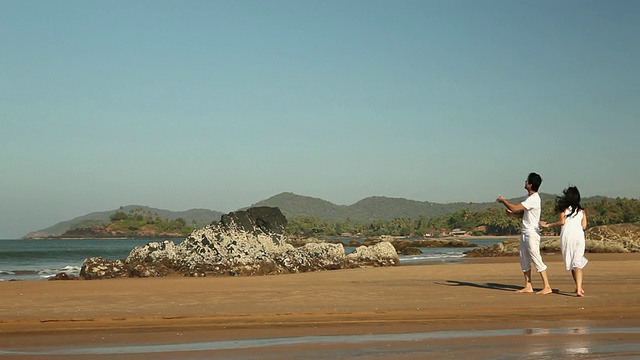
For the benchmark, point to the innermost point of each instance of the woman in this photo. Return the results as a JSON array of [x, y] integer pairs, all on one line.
[[573, 222]]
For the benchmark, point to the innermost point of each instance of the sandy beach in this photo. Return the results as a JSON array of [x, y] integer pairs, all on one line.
[[459, 310]]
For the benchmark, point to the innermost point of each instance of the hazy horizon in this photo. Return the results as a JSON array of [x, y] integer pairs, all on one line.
[[220, 104]]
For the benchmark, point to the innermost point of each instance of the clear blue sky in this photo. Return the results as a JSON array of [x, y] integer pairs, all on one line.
[[221, 104]]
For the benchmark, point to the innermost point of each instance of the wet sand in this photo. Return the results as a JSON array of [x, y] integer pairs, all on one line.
[[459, 310]]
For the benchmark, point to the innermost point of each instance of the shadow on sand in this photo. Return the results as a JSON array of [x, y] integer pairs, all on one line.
[[495, 286]]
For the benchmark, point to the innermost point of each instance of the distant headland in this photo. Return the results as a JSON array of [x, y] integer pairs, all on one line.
[[307, 216]]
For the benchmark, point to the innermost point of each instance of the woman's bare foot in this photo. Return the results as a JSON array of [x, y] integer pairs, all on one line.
[[580, 293], [524, 290], [545, 291]]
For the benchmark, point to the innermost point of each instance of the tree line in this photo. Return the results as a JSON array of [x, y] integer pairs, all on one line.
[[137, 219], [492, 221]]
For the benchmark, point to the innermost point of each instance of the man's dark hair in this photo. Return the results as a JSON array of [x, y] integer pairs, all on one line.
[[534, 180]]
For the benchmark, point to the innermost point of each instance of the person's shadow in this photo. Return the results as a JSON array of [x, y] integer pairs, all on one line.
[[493, 286]]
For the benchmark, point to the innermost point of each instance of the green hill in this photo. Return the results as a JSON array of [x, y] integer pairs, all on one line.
[[195, 217], [372, 208], [292, 206]]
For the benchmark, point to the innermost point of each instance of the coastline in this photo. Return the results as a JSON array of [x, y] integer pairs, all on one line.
[[476, 294], [23, 260], [158, 238]]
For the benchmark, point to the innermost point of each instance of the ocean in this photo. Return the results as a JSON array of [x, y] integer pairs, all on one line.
[[42, 259]]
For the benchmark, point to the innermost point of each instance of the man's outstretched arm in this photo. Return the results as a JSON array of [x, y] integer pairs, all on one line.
[[514, 208]]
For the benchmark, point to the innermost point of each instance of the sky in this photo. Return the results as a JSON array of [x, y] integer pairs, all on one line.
[[220, 104]]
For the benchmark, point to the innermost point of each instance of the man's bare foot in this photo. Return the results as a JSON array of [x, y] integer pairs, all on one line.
[[525, 290], [545, 291], [580, 293]]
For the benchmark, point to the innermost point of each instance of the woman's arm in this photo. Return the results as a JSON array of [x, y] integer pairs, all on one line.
[[557, 223], [584, 220]]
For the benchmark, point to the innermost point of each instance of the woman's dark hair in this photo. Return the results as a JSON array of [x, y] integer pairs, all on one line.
[[570, 198]]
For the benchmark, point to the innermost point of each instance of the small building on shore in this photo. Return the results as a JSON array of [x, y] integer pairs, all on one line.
[[457, 232]]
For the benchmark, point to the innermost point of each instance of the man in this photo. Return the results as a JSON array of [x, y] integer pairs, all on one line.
[[529, 210]]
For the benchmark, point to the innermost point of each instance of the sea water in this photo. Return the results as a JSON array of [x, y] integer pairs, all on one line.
[[42, 259], [431, 255]]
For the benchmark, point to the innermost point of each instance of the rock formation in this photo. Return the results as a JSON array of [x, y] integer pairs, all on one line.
[[251, 242], [409, 247], [618, 238], [614, 238]]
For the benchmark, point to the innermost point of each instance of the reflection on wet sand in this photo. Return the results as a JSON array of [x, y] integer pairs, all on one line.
[[531, 343]]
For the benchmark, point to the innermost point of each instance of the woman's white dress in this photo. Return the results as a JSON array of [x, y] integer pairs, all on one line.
[[572, 241]]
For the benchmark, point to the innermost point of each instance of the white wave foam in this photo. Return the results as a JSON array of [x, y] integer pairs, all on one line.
[[69, 270], [430, 257]]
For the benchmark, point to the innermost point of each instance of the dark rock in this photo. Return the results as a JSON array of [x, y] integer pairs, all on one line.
[[411, 251], [63, 276], [266, 219], [148, 270], [100, 268], [506, 248]]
